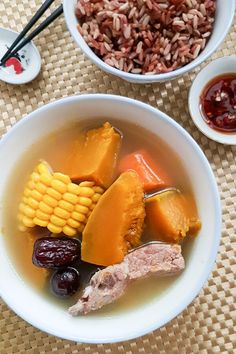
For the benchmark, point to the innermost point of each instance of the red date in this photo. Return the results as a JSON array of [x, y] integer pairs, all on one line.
[[55, 252]]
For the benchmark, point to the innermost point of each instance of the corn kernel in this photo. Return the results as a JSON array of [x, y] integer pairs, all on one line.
[[86, 192], [61, 177], [96, 197], [55, 220], [69, 231], [29, 212], [59, 185], [45, 208], [78, 216], [31, 185], [33, 203], [34, 176], [36, 195], [27, 192], [53, 193], [84, 201], [66, 205], [54, 229], [22, 207], [81, 209], [41, 188], [98, 189], [69, 197], [43, 167], [86, 184], [22, 228], [28, 222], [25, 200], [46, 179], [39, 222], [73, 188], [50, 201], [73, 223], [61, 213], [41, 215]]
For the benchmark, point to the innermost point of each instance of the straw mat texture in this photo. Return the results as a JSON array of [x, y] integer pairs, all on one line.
[[207, 325]]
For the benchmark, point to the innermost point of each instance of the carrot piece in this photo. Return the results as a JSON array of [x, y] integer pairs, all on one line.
[[151, 175], [115, 225]]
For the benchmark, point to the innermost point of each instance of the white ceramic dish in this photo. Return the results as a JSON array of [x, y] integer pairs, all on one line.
[[215, 68], [30, 59], [224, 17], [47, 316]]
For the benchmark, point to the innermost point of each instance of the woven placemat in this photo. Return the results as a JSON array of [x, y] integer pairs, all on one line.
[[207, 325]]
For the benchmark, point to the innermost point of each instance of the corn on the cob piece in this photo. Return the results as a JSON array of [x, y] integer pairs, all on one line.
[[51, 200]]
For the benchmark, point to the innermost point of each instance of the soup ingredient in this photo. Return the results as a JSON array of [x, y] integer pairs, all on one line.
[[86, 271], [51, 200], [146, 37], [151, 175], [116, 223], [65, 282], [54, 252], [96, 156], [170, 217], [109, 284], [218, 103]]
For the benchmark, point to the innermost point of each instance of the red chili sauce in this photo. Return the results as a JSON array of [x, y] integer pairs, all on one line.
[[218, 103], [18, 68]]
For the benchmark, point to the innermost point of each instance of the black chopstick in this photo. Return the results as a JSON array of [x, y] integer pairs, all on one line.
[[39, 29], [34, 19]]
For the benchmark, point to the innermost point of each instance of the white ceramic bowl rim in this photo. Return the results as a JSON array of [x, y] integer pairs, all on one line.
[[187, 297], [138, 78]]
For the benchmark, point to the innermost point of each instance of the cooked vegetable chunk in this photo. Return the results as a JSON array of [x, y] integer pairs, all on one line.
[[115, 224], [51, 200], [96, 156], [170, 217], [151, 175]]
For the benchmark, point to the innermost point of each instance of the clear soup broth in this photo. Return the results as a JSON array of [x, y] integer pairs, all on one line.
[[55, 149]]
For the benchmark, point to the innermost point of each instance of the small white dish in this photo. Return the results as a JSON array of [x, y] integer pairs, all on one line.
[[215, 68], [28, 62]]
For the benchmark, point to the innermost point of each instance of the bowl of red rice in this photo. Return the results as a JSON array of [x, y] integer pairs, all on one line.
[[145, 41]]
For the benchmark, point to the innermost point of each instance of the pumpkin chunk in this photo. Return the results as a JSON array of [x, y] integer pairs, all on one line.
[[115, 224], [171, 217], [96, 156]]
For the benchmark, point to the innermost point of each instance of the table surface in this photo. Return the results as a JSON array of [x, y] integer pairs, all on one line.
[[206, 326]]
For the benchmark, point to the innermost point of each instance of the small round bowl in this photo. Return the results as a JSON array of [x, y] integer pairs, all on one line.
[[224, 18], [215, 68], [117, 326], [29, 57]]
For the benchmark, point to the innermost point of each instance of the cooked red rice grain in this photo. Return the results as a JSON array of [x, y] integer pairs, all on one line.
[[146, 37]]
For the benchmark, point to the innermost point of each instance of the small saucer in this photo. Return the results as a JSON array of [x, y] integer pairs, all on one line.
[[22, 68], [215, 68]]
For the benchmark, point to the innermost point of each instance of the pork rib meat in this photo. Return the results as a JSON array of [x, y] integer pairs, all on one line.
[[109, 284]]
